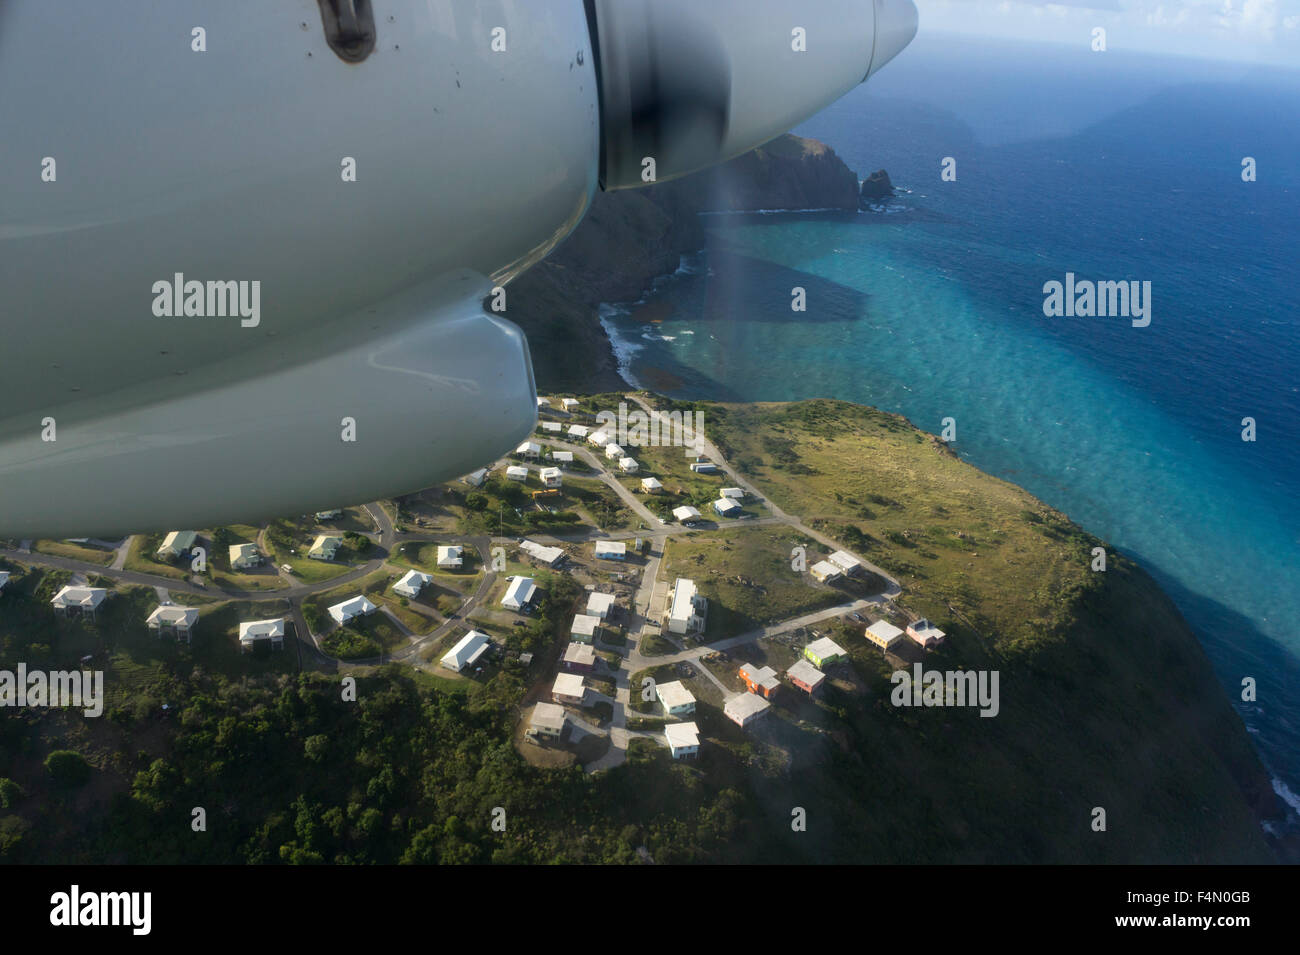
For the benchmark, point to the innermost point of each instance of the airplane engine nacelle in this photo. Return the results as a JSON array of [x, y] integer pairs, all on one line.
[[685, 84]]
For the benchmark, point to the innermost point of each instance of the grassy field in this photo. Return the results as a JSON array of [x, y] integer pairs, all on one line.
[[746, 574], [140, 558], [83, 552], [288, 541]]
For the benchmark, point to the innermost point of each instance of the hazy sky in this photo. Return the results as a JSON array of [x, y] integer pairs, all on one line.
[[1256, 31]]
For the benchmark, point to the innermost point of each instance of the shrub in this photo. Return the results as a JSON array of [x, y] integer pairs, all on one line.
[[67, 768]]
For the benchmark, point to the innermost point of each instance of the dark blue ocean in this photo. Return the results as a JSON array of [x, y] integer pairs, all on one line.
[[1111, 166]]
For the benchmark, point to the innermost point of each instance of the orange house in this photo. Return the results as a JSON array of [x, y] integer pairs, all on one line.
[[760, 680]]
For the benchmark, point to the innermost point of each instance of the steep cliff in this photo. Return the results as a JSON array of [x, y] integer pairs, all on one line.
[[629, 238]]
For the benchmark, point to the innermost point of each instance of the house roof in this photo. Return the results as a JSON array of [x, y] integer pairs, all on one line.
[[529, 447], [844, 560], [179, 540], [568, 684], [885, 630], [682, 734], [242, 551], [825, 647], [520, 591], [326, 542], [649, 482], [517, 472], [89, 597], [674, 694], [685, 513], [450, 551], [583, 654], [611, 548], [566, 456], [600, 604], [760, 676], [550, 716], [745, 704], [467, 649], [172, 616], [547, 555], [254, 629], [725, 505], [806, 673], [351, 607], [578, 430], [584, 624], [548, 473], [824, 568], [412, 580], [735, 492], [684, 592]]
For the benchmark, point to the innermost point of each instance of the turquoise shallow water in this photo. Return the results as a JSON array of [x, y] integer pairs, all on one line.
[[931, 307]]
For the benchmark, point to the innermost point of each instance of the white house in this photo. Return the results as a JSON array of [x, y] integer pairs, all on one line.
[[726, 507], [530, 450], [825, 571], [175, 544], [552, 477], [330, 515], [519, 594], [562, 457], [475, 478], [686, 514], [846, 562], [466, 651], [599, 605], [4, 578], [543, 403], [352, 608], [546, 556], [516, 472], [704, 467], [675, 698], [254, 630], [568, 688], [613, 451], [244, 555], [78, 600], [584, 628], [686, 608], [451, 555], [569, 403], [599, 438], [735, 493], [652, 485], [547, 720], [552, 427], [578, 430], [628, 465], [611, 550], [746, 708], [325, 547], [884, 634], [683, 739], [411, 584], [177, 620]]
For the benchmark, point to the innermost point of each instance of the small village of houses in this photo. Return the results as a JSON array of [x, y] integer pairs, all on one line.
[[605, 631]]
